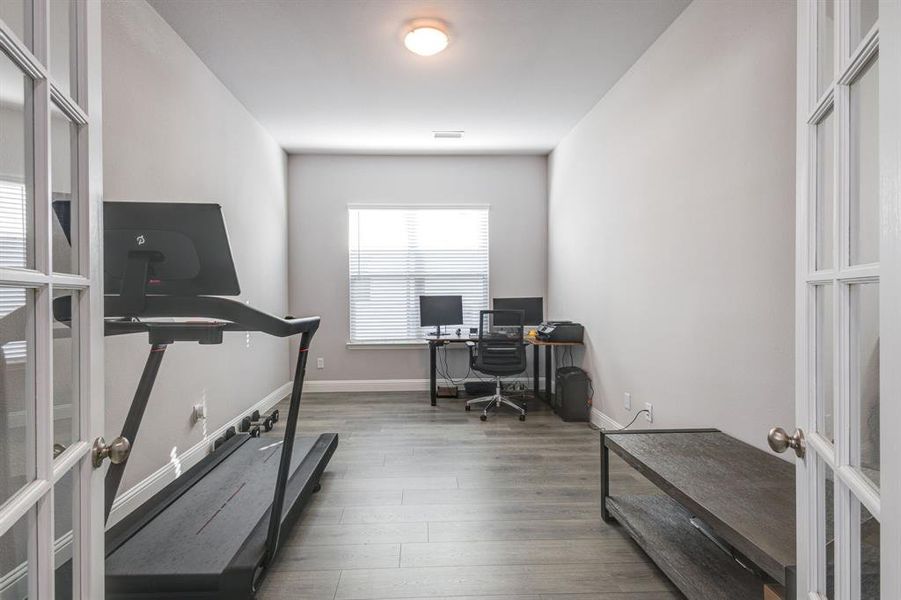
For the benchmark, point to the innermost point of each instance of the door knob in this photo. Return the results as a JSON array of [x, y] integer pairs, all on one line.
[[780, 441], [116, 451]]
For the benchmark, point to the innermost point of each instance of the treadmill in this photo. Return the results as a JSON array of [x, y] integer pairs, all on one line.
[[214, 531]]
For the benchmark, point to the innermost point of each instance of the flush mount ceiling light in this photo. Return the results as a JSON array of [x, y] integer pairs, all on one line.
[[426, 38]]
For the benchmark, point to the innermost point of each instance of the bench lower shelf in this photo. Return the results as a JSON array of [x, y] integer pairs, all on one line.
[[700, 569]]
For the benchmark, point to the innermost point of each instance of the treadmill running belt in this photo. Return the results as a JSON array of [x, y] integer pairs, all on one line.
[[200, 533]]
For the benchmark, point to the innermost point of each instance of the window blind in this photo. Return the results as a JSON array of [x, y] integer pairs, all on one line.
[[13, 224], [399, 253]]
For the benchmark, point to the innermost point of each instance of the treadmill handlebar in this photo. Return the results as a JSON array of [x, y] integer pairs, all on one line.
[[245, 317]]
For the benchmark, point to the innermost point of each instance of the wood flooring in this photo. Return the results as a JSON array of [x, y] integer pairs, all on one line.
[[429, 502]]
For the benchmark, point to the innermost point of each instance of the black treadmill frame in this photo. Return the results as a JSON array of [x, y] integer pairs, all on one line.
[[122, 314]]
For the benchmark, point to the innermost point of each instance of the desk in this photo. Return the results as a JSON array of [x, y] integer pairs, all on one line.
[[435, 342]]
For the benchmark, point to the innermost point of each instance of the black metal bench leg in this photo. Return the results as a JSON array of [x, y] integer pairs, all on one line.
[[605, 480]]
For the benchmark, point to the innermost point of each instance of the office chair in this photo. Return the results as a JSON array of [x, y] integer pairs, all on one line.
[[500, 351]]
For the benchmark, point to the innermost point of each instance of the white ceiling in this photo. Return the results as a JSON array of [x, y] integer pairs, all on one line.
[[334, 76]]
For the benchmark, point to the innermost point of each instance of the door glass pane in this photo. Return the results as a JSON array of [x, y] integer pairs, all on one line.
[[823, 358], [17, 17], [16, 389], [62, 70], [825, 192], [16, 189], [864, 238], [64, 544], [14, 567], [825, 511], [864, 14], [65, 371], [865, 377], [63, 168], [870, 534], [825, 44]]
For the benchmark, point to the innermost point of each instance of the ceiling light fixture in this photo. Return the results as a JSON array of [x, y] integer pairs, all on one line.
[[448, 135], [426, 39]]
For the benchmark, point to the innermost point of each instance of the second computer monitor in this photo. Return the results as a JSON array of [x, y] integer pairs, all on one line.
[[533, 309]]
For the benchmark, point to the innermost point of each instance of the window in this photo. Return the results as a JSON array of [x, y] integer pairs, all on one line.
[[400, 253], [13, 249]]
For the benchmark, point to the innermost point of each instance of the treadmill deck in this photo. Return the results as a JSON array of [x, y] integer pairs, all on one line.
[[201, 532]]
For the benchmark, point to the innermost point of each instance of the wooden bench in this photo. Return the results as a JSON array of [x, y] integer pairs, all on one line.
[[743, 496]]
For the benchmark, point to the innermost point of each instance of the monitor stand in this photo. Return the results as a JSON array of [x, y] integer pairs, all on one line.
[[436, 333]]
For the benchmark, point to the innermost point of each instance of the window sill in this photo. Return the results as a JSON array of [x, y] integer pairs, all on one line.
[[388, 345]]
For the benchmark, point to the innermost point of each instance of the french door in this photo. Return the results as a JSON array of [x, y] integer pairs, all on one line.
[[51, 338], [847, 302]]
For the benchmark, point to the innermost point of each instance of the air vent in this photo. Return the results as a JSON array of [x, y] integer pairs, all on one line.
[[448, 135]]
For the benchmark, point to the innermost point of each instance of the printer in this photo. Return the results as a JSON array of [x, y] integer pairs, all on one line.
[[560, 331]]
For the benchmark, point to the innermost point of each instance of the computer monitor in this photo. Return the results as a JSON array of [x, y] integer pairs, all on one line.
[[440, 310], [533, 310], [186, 244]]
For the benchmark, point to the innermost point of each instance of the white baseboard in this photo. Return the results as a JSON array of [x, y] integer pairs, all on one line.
[[139, 493], [367, 385], [391, 385], [602, 421]]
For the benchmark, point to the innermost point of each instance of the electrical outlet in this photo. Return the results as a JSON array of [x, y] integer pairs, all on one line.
[[627, 401], [320, 363], [649, 416]]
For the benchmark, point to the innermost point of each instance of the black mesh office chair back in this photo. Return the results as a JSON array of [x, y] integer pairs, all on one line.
[[500, 351], [500, 347]]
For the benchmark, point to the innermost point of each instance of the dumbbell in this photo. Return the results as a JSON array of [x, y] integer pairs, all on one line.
[[255, 415], [248, 426], [273, 416], [254, 420], [229, 434], [251, 427]]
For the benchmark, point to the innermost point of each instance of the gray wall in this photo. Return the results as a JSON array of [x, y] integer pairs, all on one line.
[[671, 230], [321, 187], [173, 132]]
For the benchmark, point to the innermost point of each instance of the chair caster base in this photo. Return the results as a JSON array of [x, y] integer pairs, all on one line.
[[522, 417], [468, 408], [317, 488], [483, 417]]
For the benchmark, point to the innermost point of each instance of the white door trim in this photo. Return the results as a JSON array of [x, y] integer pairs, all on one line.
[[890, 291], [90, 578]]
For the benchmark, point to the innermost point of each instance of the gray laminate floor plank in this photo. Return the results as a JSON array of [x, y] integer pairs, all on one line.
[[358, 533], [360, 484], [513, 495], [520, 552], [305, 557], [673, 595], [375, 584], [299, 585], [534, 529], [438, 513]]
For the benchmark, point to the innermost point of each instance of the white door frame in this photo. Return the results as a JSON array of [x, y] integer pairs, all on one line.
[[890, 292], [81, 105]]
